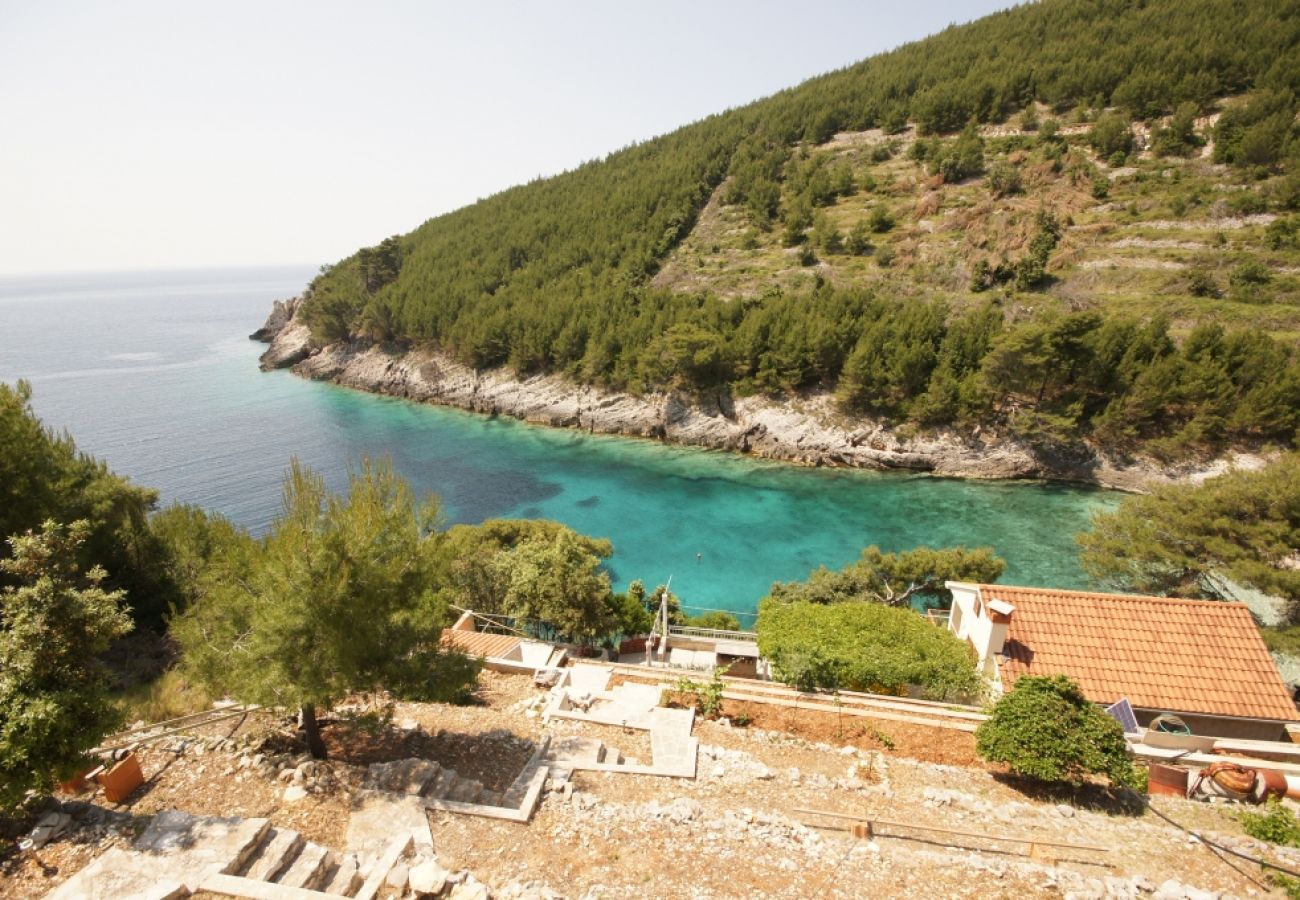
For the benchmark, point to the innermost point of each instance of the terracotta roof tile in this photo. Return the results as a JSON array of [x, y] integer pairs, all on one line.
[[479, 643], [1195, 656]]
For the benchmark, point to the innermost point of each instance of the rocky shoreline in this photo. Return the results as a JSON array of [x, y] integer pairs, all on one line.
[[806, 431]]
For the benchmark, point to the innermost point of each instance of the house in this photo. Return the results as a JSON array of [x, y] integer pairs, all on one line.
[[1202, 660], [472, 635]]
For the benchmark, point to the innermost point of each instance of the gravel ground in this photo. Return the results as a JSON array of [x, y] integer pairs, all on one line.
[[734, 831]]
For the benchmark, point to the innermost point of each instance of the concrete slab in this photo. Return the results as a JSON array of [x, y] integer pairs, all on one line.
[[176, 853], [119, 874], [585, 678], [377, 816]]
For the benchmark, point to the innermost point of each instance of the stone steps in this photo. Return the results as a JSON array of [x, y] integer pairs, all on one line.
[[309, 869], [286, 859], [274, 856]]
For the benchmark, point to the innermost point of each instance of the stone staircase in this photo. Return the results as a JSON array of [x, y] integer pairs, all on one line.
[[180, 854], [285, 858]]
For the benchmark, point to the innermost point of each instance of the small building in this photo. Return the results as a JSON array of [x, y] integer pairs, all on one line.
[[474, 635], [1202, 660]]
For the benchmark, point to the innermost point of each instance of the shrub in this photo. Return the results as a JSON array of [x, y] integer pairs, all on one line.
[[1004, 179], [1046, 729], [1277, 826], [880, 221], [1112, 137], [1200, 283], [1249, 274], [864, 646]]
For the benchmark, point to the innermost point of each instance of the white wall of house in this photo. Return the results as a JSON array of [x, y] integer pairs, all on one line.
[[972, 620]]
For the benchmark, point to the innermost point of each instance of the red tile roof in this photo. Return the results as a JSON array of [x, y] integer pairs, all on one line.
[[1195, 656], [479, 643]]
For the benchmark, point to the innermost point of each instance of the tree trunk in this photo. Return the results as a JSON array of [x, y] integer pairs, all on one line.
[[311, 729]]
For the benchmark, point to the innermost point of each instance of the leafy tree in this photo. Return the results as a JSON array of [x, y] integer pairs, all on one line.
[[688, 356], [338, 597], [1111, 135], [879, 220], [1004, 179], [53, 691], [43, 476], [960, 158], [1046, 729], [1178, 138], [629, 610], [716, 619], [466, 558], [894, 579], [864, 647], [1196, 540], [858, 242], [558, 581]]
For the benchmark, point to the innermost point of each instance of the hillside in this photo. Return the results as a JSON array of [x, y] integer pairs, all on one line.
[[1070, 222]]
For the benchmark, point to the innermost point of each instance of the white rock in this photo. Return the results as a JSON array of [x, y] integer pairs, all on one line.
[[294, 792], [718, 772], [397, 877], [427, 878], [1065, 811]]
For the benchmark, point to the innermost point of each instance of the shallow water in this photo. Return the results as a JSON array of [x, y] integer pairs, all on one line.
[[153, 372]]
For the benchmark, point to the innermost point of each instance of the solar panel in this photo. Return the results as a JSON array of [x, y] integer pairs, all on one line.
[[1122, 712]]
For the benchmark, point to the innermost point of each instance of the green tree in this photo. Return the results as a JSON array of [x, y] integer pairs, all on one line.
[[864, 647], [338, 597], [894, 579], [858, 243], [558, 581], [1046, 729], [53, 691], [1178, 138], [1111, 135], [1197, 540], [466, 558], [715, 619], [43, 476]]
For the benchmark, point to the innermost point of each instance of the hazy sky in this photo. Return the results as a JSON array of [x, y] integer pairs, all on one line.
[[168, 134]]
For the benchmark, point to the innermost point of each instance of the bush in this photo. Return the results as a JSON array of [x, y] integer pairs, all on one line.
[[1200, 283], [880, 221], [1249, 274], [1046, 729], [1112, 137], [1277, 826], [1004, 179], [864, 646]]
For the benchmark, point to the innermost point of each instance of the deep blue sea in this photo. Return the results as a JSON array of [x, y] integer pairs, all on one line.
[[154, 373]]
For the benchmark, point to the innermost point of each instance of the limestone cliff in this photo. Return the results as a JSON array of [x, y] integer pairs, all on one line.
[[806, 430]]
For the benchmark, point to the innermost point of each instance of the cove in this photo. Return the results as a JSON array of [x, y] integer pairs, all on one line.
[[153, 373]]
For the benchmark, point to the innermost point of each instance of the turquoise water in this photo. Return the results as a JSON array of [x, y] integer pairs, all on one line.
[[153, 372]]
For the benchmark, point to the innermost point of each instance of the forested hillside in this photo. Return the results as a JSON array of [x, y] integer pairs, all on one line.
[[1077, 218]]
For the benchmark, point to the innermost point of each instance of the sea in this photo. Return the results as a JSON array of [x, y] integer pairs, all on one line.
[[154, 373]]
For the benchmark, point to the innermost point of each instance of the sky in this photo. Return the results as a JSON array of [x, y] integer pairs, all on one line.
[[138, 135]]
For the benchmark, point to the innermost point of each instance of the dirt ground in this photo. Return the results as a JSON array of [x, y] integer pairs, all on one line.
[[736, 830]]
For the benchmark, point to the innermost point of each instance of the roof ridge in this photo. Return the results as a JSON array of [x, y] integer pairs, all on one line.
[[1068, 592]]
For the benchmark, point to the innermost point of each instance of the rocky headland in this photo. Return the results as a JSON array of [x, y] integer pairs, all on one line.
[[807, 430]]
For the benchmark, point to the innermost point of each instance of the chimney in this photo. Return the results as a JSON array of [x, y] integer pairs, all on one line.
[[999, 616]]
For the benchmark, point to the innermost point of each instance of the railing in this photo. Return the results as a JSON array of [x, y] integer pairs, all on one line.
[[716, 634], [939, 617]]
